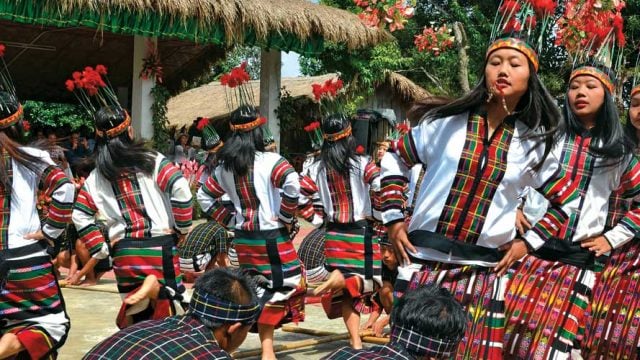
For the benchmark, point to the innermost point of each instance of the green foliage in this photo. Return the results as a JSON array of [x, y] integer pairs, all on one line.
[[439, 74], [160, 121], [55, 115], [235, 57], [310, 66], [293, 115]]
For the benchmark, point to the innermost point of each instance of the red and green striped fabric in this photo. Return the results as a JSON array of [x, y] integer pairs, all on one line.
[[59, 214], [127, 192], [217, 211], [546, 306], [31, 290], [340, 192], [168, 174], [132, 265], [480, 291], [481, 167], [91, 236], [249, 201], [353, 252], [272, 258]]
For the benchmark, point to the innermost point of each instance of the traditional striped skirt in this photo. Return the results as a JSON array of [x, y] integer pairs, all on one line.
[[31, 303], [354, 251], [481, 293], [133, 261], [546, 306], [269, 257], [613, 327]]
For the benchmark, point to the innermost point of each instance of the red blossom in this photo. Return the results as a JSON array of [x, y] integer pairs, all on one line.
[[434, 40], [101, 69], [530, 21], [311, 127], [26, 126], [317, 91], [513, 25], [2, 48], [70, 85], [378, 13], [329, 89], [544, 7], [618, 27], [509, 7], [360, 149], [202, 123], [236, 77]]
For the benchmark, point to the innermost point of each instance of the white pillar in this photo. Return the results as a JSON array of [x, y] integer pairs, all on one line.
[[141, 99], [270, 66]]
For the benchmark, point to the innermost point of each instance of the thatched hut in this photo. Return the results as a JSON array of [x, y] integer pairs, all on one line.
[[396, 92], [209, 100], [48, 39]]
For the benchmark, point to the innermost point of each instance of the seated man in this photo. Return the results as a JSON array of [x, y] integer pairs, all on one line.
[[204, 248], [426, 323], [223, 308]]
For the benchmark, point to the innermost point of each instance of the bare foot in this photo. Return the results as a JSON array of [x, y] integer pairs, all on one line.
[[89, 282], [149, 287], [334, 282]]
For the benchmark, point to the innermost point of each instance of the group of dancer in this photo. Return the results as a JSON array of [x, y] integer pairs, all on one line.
[[527, 214]]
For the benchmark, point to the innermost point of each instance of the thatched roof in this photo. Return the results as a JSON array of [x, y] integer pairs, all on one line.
[[297, 25], [208, 100], [39, 70], [409, 90]]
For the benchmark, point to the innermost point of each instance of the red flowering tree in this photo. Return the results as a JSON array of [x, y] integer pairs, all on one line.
[[434, 40], [379, 13], [588, 24]]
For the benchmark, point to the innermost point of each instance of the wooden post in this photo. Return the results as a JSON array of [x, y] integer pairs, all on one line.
[[270, 70], [141, 99], [463, 69]]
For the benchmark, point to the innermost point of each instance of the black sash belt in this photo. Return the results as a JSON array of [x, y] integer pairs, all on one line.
[[23, 250], [457, 248], [165, 240], [261, 234], [357, 226], [566, 252]]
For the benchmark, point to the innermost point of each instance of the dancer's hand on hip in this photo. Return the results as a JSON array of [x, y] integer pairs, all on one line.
[[597, 244], [515, 250], [400, 240]]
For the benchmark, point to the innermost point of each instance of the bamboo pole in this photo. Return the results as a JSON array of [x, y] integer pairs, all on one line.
[[330, 337], [88, 288], [300, 330], [292, 345], [375, 340]]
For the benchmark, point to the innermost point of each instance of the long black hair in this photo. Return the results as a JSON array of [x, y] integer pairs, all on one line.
[[337, 155], [608, 139], [239, 151], [537, 109], [120, 155], [9, 138]]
